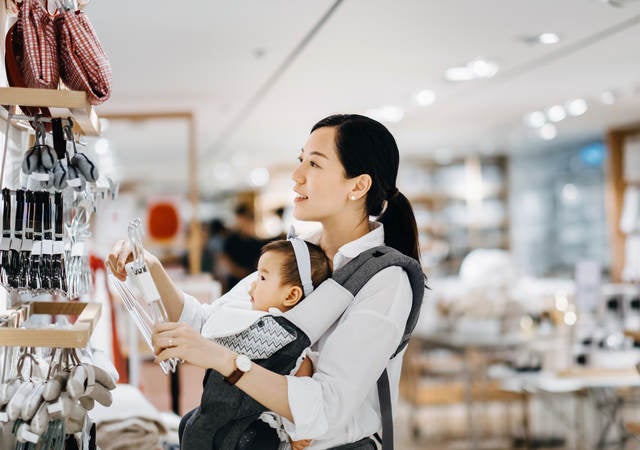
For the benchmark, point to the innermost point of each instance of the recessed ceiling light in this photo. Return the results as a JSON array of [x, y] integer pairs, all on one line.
[[459, 74], [548, 132], [391, 114], [608, 97], [615, 3], [556, 113], [482, 68], [477, 68], [548, 38], [577, 107], [425, 97], [535, 119]]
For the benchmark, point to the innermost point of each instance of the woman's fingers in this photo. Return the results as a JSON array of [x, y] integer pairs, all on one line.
[[168, 334], [167, 326], [163, 342], [118, 257], [167, 353], [125, 255]]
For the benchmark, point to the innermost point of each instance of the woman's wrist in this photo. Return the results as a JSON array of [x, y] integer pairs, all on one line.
[[222, 360], [151, 260]]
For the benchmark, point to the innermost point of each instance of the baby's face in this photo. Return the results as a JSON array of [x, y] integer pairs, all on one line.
[[267, 291]]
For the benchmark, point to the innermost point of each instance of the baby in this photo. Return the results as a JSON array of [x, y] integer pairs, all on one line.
[[288, 271]]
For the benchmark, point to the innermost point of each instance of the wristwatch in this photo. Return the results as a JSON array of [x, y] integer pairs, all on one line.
[[243, 365]]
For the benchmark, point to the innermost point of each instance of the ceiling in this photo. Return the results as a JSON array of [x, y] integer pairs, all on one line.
[[258, 74]]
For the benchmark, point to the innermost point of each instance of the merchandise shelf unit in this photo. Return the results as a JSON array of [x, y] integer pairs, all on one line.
[[459, 205], [61, 103], [76, 336], [616, 184]]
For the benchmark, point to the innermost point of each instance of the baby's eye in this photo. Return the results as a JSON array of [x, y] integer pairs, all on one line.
[[262, 277]]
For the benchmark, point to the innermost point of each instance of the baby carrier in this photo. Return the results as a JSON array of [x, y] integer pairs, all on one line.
[[227, 418]]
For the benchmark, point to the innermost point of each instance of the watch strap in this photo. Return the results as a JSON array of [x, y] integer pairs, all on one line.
[[235, 376]]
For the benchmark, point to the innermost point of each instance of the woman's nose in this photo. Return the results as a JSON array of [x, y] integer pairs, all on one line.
[[297, 175]]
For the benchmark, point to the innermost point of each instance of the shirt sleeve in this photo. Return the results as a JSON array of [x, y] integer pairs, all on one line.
[[351, 358], [196, 314]]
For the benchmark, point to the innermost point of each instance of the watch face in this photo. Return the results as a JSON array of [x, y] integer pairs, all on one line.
[[243, 363]]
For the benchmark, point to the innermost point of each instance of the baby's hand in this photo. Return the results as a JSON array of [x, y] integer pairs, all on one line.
[[300, 445], [305, 370]]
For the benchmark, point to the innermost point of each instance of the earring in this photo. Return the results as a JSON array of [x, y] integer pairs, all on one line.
[[353, 197]]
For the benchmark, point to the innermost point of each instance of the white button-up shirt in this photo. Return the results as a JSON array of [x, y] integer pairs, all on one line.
[[339, 403]]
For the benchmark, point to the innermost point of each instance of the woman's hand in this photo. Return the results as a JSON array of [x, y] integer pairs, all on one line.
[[300, 445], [121, 254], [179, 340]]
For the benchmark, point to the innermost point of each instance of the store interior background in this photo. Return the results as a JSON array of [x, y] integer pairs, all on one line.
[[527, 161]]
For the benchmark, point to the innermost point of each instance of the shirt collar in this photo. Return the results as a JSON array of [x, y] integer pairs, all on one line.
[[374, 238]]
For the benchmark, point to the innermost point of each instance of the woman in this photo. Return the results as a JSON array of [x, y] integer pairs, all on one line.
[[347, 173]]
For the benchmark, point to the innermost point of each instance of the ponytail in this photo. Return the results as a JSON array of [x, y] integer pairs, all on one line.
[[400, 229]]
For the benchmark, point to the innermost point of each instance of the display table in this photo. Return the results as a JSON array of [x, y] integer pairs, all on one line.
[[478, 351], [602, 386]]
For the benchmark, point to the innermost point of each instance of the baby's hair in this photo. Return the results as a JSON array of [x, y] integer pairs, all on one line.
[[320, 269]]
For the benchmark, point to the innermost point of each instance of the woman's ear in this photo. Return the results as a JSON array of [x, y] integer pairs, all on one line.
[[362, 184], [293, 297]]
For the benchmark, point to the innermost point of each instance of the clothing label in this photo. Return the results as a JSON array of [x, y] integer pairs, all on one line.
[[16, 244], [144, 282], [58, 248], [54, 408], [36, 250], [39, 176], [27, 244], [47, 247]]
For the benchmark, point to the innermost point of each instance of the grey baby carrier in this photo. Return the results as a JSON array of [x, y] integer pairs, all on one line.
[[227, 418]]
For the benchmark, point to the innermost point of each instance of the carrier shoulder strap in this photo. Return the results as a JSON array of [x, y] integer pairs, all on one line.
[[355, 274]]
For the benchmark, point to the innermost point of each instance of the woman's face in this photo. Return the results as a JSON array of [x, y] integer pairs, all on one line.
[[320, 183]]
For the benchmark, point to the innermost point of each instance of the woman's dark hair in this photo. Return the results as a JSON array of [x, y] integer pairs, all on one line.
[[365, 146], [320, 269]]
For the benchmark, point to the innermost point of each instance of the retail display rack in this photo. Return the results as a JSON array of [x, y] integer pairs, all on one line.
[[64, 104], [460, 205], [74, 336], [61, 103]]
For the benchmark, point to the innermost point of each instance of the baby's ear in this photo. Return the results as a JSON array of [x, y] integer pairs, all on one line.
[[293, 297]]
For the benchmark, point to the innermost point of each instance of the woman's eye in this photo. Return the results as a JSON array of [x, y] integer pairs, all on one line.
[[313, 164], [299, 159]]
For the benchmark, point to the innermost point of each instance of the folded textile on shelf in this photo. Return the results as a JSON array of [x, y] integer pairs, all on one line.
[[131, 422], [131, 433]]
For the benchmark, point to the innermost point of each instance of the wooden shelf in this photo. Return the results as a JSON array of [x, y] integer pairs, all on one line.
[[455, 392], [61, 103], [76, 336], [444, 230], [440, 197]]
